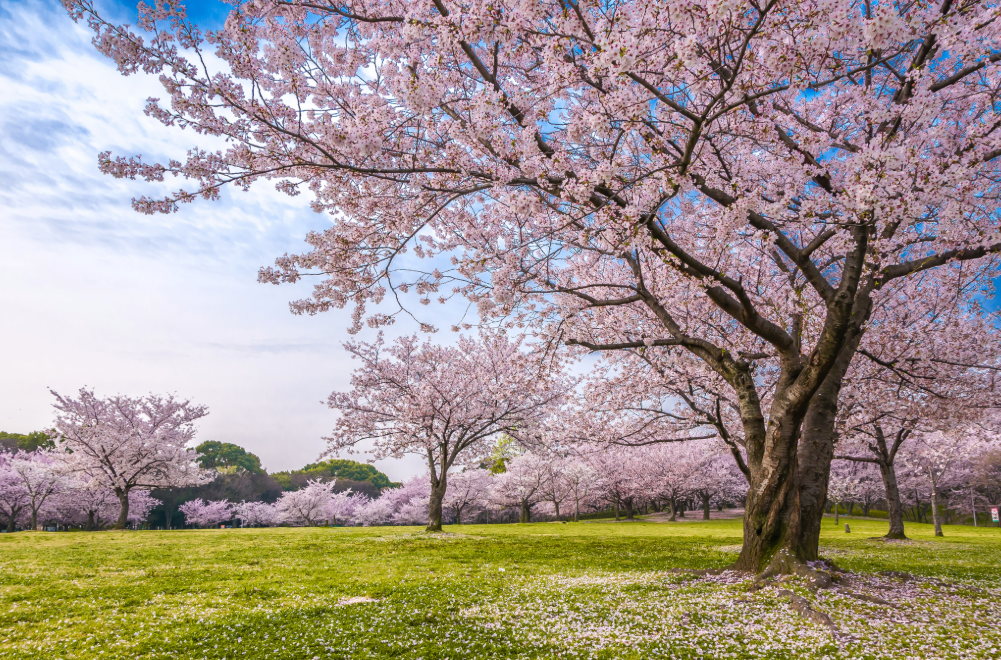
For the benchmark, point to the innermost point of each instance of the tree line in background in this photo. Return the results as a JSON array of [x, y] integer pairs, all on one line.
[[500, 424]]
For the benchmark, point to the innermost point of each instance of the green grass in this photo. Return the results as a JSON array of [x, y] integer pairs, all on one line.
[[546, 590]]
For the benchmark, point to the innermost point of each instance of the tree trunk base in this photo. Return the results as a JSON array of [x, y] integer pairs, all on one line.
[[820, 574], [894, 536]]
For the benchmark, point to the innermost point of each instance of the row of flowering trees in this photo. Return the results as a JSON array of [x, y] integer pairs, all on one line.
[[37, 490], [532, 485]]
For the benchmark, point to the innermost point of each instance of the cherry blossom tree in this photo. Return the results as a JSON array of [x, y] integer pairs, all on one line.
[[15, 501], [141, 503], [622, 476], [41, 477], [716, 478], [306, 506], [341, 506], [200, 513], [740, 182], [945, 459], [92, 506], [522, 485], [467, 491], [126, 443], [375, 511], [253, 514], [843, 487], [443, 403], [580, 480], [927, 374]]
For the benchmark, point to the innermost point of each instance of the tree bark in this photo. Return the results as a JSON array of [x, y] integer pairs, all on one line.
[[789, 478], [894, 510], [705, 507], [837, 511], [10, 525], [434, 507], [525, 515], [556, 505], [123, 513], [674, 510], [630, 513], [34, 520], [934, 507]]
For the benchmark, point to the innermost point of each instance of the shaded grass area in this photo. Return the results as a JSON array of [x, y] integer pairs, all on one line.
[[595, 590]]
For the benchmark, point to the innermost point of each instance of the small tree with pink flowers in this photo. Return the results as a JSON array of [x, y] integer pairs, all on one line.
[[443, 403], [125, 443], [200, 513]]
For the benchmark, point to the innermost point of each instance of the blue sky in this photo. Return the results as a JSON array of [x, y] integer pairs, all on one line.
[[95, 294]]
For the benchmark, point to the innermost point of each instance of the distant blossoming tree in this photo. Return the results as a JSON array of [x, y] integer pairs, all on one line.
[[42, 479], [125, 443], [256, 514], [467, 492], [442, 402], [306, 506], [15, 501], [200, 513]]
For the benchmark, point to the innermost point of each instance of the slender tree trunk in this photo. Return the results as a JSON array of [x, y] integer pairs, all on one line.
[[434, 507], [674, 510], [576, 511], [458, 515], [10, 524], [894, 510], [34, 520], [526, 513], [934, 506], [630, 513], [557, 506], [705, 507], [616, 510], [123, 513], [837, 511]]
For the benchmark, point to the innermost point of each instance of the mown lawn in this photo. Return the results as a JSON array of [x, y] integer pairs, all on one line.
[[547, 590]]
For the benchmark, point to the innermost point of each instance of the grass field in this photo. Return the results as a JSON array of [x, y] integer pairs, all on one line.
[[586, 590]]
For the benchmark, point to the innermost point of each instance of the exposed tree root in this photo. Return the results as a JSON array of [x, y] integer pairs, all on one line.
[[820, 574], [802, 607]]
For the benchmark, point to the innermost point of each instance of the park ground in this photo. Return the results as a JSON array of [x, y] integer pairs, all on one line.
[[545, 590]]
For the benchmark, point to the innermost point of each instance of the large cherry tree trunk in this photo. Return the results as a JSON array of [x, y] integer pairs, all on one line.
[[435, 506], [123, 512], [789, 472]]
